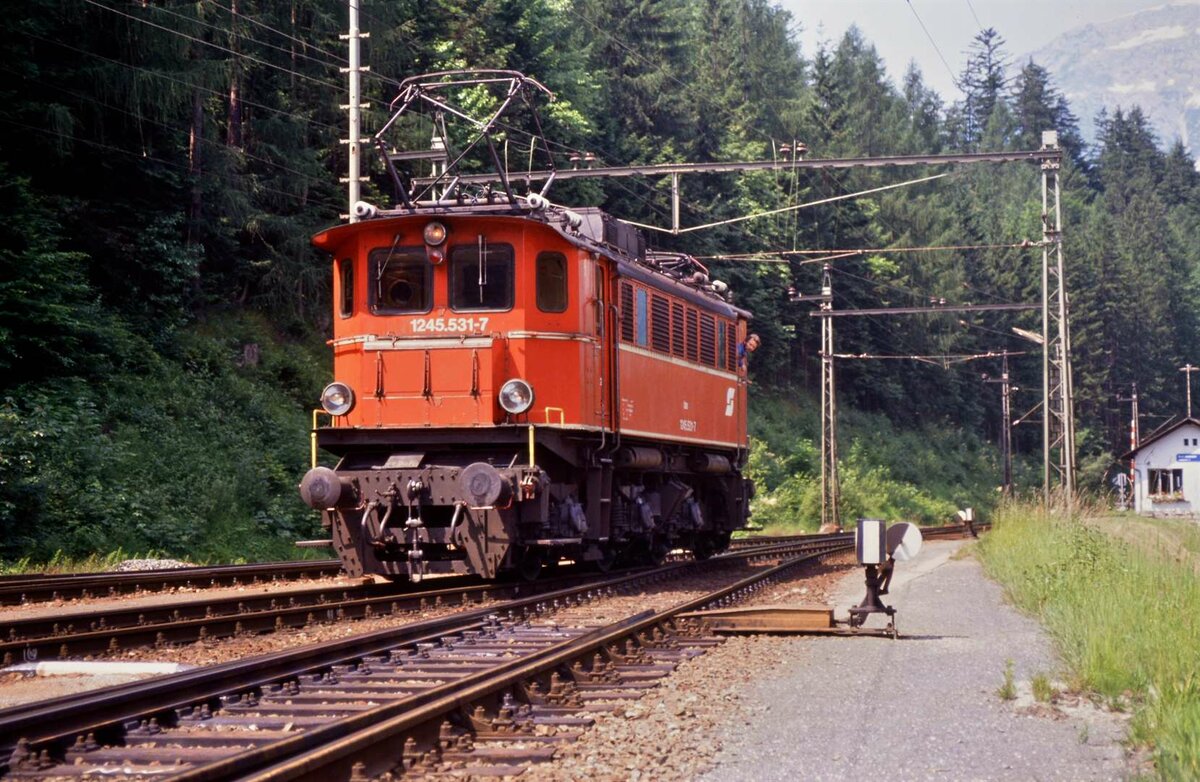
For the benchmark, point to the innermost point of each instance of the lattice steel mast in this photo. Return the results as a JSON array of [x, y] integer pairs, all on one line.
[[829, 461], [1058, 423]]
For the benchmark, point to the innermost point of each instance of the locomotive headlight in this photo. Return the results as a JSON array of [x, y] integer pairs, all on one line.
[[435, 234], [337, 399], [516, 396]]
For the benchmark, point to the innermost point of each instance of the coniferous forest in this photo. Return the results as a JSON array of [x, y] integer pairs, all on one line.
[[163, 317]]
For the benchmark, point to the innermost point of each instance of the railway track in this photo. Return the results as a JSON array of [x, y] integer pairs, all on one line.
[[42, 587], [111, 629], [447, 685], [108, 630], [18, 590]]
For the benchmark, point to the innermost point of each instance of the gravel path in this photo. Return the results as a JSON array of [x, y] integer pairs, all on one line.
[[924, 707]]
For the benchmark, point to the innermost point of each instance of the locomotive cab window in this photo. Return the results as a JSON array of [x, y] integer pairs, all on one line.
[[401, 281], [481, 277], [551, 282], [346, 280]]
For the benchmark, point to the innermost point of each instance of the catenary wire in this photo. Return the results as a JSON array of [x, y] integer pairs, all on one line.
[[932, 42], [242, 55], [184, 82], [243, 36], [151, 158], [142, 118]]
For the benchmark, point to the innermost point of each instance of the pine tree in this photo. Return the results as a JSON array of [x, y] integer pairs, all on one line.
[[1038, 106], [984, 81]]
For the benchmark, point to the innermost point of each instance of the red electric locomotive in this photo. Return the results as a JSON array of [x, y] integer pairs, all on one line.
[[517, 383]]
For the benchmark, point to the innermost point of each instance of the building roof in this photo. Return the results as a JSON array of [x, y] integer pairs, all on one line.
[[1160, 433]]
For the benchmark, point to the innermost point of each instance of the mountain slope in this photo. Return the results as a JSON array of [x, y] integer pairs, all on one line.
[[1148, 58]]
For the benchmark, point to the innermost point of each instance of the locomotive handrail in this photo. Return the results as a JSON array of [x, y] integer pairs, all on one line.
[[312, 437], [562, 415]]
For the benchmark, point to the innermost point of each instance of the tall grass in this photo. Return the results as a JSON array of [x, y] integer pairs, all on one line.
[[1126, 621]]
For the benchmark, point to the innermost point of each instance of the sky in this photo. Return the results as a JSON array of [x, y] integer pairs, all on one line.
[[894, 29]]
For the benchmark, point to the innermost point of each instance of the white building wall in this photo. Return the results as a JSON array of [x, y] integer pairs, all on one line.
[[1170, 452]]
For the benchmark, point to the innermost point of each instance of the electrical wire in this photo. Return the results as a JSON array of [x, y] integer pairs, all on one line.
[[924, 295], [151, 158], [184, 82], [943, 360], [941, 56], [792, 207], [339, 59], [688, 87], [873, 250], [244, 36], [885, 332], [977, 22], [165, 126], [242, 55]]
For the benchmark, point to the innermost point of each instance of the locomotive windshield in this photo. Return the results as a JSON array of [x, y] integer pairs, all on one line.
[[403, 280], [481, 277], [551, 282]]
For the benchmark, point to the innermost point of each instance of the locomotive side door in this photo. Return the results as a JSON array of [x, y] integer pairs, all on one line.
[[599, 318]]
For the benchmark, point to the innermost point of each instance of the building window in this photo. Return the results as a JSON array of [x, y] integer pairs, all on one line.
[[551, 282], [660, 327], [481, 277], [642, 320], [1166, 485], [346, 275], [401, 280]]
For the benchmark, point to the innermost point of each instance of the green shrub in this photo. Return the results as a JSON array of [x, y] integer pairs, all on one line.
[[921, 475], [195, 455]]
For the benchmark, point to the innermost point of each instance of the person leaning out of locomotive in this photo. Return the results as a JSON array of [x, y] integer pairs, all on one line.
[[745, 349]]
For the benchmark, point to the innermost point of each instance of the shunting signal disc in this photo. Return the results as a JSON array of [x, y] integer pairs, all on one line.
[[903, 541]]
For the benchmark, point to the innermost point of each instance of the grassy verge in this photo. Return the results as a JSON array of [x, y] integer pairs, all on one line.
[[1127, 622]]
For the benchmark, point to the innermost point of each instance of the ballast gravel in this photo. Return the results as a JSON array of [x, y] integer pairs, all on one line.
[[668, 735], [140, 565], [925, 707]]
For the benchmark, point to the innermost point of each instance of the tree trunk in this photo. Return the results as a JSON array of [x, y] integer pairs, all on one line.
[[195, 164], [233, 136]]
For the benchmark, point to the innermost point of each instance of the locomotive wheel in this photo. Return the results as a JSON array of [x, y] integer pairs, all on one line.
[[529, 564], [659, 550], [703, 547], [608, 559]]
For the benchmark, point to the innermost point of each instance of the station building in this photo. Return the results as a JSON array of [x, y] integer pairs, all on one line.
[[1166, 468]]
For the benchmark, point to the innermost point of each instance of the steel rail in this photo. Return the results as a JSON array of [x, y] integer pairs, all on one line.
[[16, 590], [382, 743], [110, 630], [49, 726], [341, 749]]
